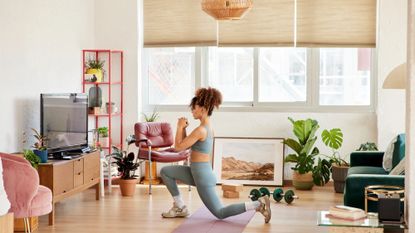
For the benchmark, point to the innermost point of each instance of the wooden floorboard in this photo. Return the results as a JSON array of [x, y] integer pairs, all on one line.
[[114, 213]]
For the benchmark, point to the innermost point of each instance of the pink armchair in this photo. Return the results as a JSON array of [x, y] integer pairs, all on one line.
[[26, 196], [157, 135]]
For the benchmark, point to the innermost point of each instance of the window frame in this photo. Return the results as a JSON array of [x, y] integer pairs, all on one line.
[[313, 88]]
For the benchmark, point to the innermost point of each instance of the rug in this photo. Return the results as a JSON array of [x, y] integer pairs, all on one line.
[[202, 221]]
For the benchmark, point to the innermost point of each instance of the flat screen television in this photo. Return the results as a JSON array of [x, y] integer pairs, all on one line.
[[64, 121]]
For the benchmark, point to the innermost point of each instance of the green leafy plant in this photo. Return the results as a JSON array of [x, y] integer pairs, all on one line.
[[127, 163], [151, 118], [30, 156], [368, 146], [95, 64], [41, 141], [306, 152], [333, 138], [103, 131]]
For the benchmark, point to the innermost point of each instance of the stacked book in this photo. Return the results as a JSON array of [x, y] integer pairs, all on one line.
[[346, 213]]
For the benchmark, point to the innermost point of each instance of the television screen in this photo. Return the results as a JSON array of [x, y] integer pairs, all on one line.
[[64, 121]]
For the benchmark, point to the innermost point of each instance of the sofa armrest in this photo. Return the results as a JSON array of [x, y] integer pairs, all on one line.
[[354, 189], [367, 158]]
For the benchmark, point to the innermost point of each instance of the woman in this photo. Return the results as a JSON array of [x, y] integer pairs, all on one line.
[[200, 173]]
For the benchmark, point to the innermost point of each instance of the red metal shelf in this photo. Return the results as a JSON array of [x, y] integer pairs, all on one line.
[[106, 115], [114, 59], [98, 83]]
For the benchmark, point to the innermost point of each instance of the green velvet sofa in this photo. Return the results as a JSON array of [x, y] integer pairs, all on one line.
[[366, 169]]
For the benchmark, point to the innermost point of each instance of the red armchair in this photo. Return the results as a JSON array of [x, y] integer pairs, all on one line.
[[151, 135], [21, 182]]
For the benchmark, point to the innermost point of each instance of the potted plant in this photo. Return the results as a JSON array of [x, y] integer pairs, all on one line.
[[333, 138], [127, 165], [33, 159], [40, 148], [306, 173], [95, 68], [151, 118], [103, 138], [368, 146]]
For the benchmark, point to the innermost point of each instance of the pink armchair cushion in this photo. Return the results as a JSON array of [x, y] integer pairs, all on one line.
[[21, 182], [160, 134], [42, 202], [165, 156]]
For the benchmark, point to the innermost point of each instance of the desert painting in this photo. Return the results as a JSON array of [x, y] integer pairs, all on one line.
[[241, 161]]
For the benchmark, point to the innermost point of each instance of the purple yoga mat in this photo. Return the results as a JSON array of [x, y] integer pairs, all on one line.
[[202, 221]]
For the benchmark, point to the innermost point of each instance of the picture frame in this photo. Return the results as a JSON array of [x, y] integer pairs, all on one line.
[[249, 161]]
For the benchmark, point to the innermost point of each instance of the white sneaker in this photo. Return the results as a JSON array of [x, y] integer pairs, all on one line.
[[265, 208], [176, 212]]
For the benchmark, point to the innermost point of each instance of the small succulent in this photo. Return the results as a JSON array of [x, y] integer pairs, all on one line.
[[103, 131], [95, 64]]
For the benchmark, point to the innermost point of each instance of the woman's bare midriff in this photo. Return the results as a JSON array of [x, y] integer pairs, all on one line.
[[197, 156]]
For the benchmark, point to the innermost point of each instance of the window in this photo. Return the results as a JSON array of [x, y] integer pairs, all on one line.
[[282, 75], [231, 70], [345, 76], [259, 78], [170, 75]]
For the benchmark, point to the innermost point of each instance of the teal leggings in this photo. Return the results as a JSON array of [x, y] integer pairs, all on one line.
[[200, 174]]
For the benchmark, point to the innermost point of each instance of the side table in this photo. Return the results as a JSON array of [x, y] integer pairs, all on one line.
[[372, 192]]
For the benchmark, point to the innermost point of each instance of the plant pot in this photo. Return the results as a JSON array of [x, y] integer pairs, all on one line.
[[98, 73], [303, 181], [339, 174], [42, 154], [128, 187], [104, 141]]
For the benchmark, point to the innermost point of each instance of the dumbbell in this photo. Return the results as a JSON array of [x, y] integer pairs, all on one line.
[[277, 195]]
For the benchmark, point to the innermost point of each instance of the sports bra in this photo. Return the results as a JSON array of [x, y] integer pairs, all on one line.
[[206, 145]]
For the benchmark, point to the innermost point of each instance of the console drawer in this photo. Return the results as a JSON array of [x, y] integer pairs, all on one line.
[[63, 178], [91, 167]]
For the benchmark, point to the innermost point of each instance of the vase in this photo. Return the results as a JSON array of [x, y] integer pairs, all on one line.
[[98, 73], [128, 187], [95, 97], [303, 181], [339, 174], [42, 154]]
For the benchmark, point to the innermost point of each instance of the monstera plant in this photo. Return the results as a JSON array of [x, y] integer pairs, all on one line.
[[333, 138], [306, 171]]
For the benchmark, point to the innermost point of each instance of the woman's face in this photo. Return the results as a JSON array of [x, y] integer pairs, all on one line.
[[198, 112]]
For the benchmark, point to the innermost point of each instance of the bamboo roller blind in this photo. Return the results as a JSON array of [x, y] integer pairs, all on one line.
[[320, 23]]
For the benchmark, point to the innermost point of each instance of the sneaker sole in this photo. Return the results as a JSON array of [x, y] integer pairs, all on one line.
[[268, 209]]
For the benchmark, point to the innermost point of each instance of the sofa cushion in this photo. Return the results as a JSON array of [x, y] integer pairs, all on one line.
[[399, 169], [366, 170], [388, 156], [399, 150]]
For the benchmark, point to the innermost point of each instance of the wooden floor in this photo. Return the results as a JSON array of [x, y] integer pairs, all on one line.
[[114, 213]]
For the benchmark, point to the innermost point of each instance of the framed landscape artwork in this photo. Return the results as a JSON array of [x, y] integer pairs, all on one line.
[[255, 161]]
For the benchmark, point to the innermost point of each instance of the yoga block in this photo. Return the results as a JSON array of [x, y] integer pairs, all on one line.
[[230, 194], [232, 187]]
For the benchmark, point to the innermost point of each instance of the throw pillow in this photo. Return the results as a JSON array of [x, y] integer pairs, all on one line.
[[399, 169], [4, 202], [387, 157]]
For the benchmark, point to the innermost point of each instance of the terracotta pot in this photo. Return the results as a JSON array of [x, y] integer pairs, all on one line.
[[303, 181], [128, 187], [339, 174], [104, 141]]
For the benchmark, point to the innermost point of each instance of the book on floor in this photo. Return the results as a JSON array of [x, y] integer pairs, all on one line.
[[346, 212]]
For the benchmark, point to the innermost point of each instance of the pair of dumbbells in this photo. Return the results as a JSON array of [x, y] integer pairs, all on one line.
[[277, 195]]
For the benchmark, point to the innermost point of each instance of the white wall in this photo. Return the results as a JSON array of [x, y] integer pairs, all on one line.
[[391, 53], [117, 28], [40, 51]]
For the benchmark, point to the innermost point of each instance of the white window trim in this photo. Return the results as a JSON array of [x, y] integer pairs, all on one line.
[[310, 105]]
